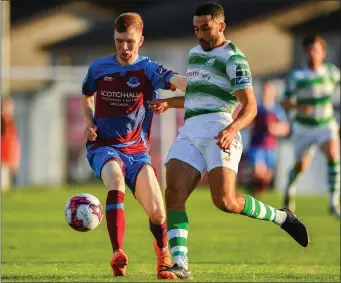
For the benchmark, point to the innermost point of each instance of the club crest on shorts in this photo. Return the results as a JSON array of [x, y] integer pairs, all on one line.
[[133, 82], [228, 151]]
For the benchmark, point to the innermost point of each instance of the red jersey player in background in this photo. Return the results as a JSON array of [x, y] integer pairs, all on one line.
[[269, 124], [10, 145]]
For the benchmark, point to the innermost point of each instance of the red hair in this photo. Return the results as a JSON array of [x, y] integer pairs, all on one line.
[[129, 21]]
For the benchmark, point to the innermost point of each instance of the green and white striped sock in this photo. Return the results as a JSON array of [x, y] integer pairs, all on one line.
[[256, 209], [177, 227], [334, 183]]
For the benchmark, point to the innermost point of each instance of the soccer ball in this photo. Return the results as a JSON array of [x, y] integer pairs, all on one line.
[[83, 212]]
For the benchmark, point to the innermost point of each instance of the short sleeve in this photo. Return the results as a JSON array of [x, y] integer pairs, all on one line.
[[89, 83], [159, 75], [239, 73], [290, 87]]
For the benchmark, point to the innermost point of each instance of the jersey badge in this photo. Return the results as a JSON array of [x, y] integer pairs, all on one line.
[[210, 62], [133, 82]]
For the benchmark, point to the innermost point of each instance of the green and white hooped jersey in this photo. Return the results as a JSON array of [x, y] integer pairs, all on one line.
[[314, 88], [212, 78]]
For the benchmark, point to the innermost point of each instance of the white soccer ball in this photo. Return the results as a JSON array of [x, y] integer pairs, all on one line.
[[83, 212]]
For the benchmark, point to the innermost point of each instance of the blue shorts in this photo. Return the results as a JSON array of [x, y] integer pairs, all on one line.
[[267, 156], [132, 163]]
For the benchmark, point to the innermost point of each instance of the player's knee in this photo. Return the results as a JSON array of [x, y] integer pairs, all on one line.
[[302, 166], [157, 217], [112, 176], [226, 204], [333, 156], [260, 170], [115, 183]]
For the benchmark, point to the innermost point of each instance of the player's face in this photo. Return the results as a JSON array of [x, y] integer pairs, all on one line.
[[128, 44], [316, 53], [208, 31]]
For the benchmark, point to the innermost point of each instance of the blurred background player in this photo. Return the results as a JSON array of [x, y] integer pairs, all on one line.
[[219, 78], [269, 124], [117, 129], [10, 145], [309, 91]]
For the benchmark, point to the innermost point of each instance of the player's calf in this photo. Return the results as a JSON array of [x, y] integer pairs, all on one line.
[[334, 187]]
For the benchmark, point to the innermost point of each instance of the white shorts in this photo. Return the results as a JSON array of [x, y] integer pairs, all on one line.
[[198, 148], [306, 138]]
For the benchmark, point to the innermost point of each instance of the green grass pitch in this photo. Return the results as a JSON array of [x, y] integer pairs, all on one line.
[[38, 245]]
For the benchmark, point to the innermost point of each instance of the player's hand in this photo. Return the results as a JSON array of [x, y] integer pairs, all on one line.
[[226, 137], [90, 132], [158, 106], [305, 109]]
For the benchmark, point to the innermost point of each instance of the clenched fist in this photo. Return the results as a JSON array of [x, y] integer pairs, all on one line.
[[90, 132]]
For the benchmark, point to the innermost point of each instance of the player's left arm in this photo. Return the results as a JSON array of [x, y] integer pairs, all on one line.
[[163, 78], [239, 74], [335, 77], [281, 127], [236, 111], [335, 74], [179, 82], [248, 112]]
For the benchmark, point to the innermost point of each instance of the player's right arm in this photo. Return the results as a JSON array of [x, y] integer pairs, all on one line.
[[88, 105], [289, 100]]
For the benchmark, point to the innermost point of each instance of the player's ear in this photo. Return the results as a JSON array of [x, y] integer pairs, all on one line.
[[141, 40], [222, 26]]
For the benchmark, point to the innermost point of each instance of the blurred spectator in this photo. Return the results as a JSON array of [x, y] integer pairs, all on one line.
[[269, 124], [10, 146]]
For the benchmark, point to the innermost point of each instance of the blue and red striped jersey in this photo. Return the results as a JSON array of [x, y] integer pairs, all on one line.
[[121, 94], [260, 135]]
